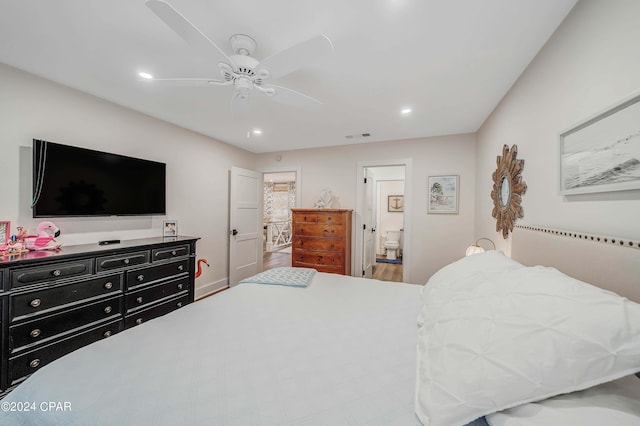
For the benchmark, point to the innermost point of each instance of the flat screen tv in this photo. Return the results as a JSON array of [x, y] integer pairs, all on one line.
[[72, 181]]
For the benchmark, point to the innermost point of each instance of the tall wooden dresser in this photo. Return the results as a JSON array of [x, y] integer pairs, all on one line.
[[322, 240]]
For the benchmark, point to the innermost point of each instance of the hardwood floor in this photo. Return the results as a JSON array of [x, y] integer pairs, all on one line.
[[275, 260], [387, 272]]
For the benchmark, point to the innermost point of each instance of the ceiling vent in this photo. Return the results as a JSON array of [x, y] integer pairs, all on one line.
[[358, 135]]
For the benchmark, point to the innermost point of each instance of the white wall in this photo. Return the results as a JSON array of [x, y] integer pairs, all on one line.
[[197, 166], [436, 240], [590, 63]]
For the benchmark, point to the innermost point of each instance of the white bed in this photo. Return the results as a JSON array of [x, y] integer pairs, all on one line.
[[341, 351]]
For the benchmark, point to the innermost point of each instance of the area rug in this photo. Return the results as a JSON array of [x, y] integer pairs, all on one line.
[[385, 260]]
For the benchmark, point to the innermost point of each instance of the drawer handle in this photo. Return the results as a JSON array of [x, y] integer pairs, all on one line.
[[139, 300], [173, 253], [328, 218], [35, 332], [126, 261], [300, 257], [108, 285], [108, 310], [179, 304], [56, 273], [301, 243], [139, 321], [305, 219], [107, 333], [140, 277], [332, 246], [180, 286], [35, 303], [180, 267], [35, 363]]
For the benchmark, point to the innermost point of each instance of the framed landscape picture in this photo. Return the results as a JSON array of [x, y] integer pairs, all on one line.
[[602, 153], [443, 194]]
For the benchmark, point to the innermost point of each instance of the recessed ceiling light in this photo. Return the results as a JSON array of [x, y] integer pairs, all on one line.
[[257, 131], [405, 111], [145, 75]]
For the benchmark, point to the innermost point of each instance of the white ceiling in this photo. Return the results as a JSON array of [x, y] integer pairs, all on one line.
[[450, 60]]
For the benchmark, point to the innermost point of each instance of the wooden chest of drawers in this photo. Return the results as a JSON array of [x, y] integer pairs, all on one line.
[[322, 240], [53, 303]]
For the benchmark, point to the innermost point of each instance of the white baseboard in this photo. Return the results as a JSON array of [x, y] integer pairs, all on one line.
[[207, 289]]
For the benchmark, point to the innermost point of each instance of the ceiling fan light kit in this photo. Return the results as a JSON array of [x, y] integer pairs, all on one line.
[[241, 70]]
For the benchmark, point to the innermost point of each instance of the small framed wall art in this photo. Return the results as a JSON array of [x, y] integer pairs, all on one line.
[[395, 203], [443, 194], [170, 228]]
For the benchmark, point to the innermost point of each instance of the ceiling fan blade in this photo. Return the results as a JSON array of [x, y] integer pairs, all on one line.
[[239, 105], [190, 81], [295, 57], [291, 97], [185, 29]]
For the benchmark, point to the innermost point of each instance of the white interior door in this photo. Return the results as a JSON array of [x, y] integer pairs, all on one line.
[[369, 223], [245, 220]]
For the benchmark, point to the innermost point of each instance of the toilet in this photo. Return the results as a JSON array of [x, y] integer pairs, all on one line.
[[392, 244]]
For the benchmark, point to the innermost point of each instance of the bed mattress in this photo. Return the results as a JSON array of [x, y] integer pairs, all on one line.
[[339, 352]]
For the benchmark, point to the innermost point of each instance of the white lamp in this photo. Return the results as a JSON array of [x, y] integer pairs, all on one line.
[[476, 247]]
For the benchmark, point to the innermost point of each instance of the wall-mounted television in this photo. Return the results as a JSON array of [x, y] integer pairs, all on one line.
[[72, 181]]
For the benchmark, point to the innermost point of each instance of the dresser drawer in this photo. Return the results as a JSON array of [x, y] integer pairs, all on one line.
[[318, 258], [317, 230], [318, 244], [143, 297], [57, 271], [327, 217], [142, 277], [305, 217], [109, 263], [323, 268], [145, 315], [170, 253], [28, 363], [67, 322], [40, 301]]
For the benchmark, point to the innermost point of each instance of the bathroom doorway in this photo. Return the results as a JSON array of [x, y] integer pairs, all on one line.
[[383, 222]]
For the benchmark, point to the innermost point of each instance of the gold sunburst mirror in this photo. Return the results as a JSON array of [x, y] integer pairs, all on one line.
[[508, 188]]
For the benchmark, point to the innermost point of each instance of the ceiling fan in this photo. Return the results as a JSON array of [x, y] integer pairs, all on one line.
[[245, 73]]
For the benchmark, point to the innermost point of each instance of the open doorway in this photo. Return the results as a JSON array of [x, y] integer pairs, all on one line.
[[280, 195], [388, 193], [382, 236]]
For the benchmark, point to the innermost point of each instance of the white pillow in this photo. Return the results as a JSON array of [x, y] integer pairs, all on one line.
[[614, 403], [455, 276], [488, 342]]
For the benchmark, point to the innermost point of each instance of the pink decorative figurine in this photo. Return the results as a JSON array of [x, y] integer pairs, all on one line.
[[45, 240]]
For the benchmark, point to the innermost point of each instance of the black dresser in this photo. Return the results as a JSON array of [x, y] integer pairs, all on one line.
[[54, 302]]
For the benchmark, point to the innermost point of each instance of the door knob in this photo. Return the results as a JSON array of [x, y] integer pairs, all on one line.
[[234, 232]]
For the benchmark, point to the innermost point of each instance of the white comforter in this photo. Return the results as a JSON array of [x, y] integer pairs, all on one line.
[[339, 352]]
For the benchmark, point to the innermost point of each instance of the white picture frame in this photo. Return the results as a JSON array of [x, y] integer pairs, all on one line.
[[443, 194], [602, 152], [170, 228]]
